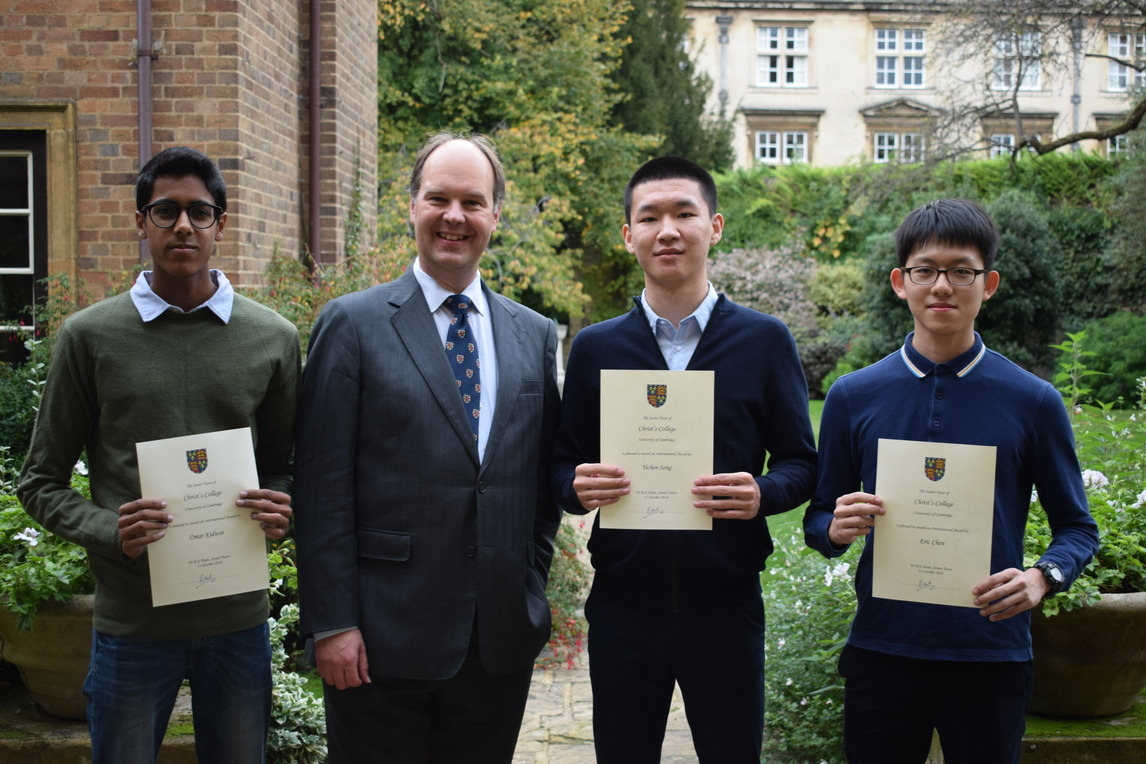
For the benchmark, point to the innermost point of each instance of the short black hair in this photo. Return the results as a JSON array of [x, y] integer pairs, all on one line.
[[671, 168], [951, 222], [178, 162]]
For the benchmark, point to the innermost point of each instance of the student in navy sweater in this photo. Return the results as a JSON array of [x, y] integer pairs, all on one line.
[[910, 667], [684, 606]]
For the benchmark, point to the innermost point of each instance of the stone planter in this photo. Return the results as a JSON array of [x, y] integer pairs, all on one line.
[[1092, 661], [53, 657]]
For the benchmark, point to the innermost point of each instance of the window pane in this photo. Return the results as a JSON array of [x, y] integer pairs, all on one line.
[[797, 39], [16, 296], [15, 242], [14, 181], [797, 74], [767, 146], [796, 147], [913, 40], [767, 38], [885, 39], [885, 70]]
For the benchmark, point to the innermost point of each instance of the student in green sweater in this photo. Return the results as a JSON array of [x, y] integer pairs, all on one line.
[[179, 354]]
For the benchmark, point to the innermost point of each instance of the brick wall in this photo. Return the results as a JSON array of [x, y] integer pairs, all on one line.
[[229, 78]]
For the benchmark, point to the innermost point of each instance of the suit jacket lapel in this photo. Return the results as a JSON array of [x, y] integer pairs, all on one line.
[[511, 359], [415, 327]]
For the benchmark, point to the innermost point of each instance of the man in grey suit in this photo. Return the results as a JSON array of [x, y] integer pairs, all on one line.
[[423, 519]]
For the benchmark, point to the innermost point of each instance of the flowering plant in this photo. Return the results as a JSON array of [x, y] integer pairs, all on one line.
[[1111, 444], [808, 603], [36, 566]]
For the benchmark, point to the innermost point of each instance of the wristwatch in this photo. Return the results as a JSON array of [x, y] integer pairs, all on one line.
[[1053, 575]]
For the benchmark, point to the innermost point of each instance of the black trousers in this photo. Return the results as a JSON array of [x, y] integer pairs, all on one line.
[[717, 657], [892, 704], [472, 717]]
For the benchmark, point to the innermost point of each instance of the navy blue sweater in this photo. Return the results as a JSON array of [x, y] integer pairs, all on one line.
[[982, 399], [761, 414]]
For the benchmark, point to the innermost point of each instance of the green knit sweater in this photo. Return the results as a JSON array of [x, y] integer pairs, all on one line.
[[115, 381]]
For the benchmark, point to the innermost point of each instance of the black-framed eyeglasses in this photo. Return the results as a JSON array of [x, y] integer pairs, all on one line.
[[166, 214], [925, 275]]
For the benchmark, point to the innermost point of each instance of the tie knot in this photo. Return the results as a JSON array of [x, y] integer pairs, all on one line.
[[459, 304]]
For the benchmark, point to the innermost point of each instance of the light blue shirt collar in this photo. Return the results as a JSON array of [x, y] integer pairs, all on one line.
[[151, 306], [677, 344], [702, 313]]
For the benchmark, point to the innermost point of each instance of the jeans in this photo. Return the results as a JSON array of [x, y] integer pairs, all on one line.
[[132, 684]]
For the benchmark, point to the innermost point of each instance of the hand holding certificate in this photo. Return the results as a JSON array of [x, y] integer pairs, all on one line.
[[933, 544], [657, 426], [212, 548]]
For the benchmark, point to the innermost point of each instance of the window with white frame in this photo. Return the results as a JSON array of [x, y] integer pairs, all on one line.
[[899, 58], [902, 148], [781, 146], [1118, 145], [20, 262], [782, 57], [1129, 48], [1017, 61], [1002, 144]]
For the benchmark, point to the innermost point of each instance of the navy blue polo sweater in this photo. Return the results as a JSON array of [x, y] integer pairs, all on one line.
[[979, 398]]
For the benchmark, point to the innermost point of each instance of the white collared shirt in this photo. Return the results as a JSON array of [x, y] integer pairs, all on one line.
[[482, 328], [678, 344], [151, 306]]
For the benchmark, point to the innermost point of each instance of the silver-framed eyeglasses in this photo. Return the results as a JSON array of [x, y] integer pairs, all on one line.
[[166, 214], [925, 275]]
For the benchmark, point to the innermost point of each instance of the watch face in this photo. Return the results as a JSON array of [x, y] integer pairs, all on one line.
[[1052, 572]]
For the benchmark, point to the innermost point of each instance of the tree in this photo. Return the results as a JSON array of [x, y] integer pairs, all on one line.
[[663, 92], [534, 75], [1024, 37]]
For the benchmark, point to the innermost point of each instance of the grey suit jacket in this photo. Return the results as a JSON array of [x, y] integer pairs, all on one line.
[[400, 531]]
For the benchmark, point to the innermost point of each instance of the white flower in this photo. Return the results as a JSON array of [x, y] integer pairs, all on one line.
[[804, 702], [780, 646], [788, 683], [81, 468], [1141, 500], [839, 571], [1094, 479], [1034, 495], [30, 535]]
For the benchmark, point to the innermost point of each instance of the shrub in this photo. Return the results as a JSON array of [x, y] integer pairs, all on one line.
[[1022, 319], [1119, 345], [809, 602], [568, 581], [780, 282], [1111, 448]]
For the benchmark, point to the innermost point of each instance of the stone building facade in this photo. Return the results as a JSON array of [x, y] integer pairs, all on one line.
[[834, 82], [229, 77]]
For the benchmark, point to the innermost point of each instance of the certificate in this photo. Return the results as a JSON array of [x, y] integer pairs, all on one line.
[[212, 548], [657, 427], [934, 543]]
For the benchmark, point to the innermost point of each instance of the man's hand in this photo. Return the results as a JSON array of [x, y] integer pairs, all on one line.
[[142, 522], [341, 659], [599, 485], [732, 495], [1009, 592], [272, 510], [853, 517]]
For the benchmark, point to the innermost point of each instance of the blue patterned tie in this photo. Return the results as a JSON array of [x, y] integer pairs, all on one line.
[[461, 351]]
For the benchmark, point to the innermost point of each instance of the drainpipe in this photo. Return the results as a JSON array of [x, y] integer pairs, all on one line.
[[723, 22], [315, 243], [144, 54]]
